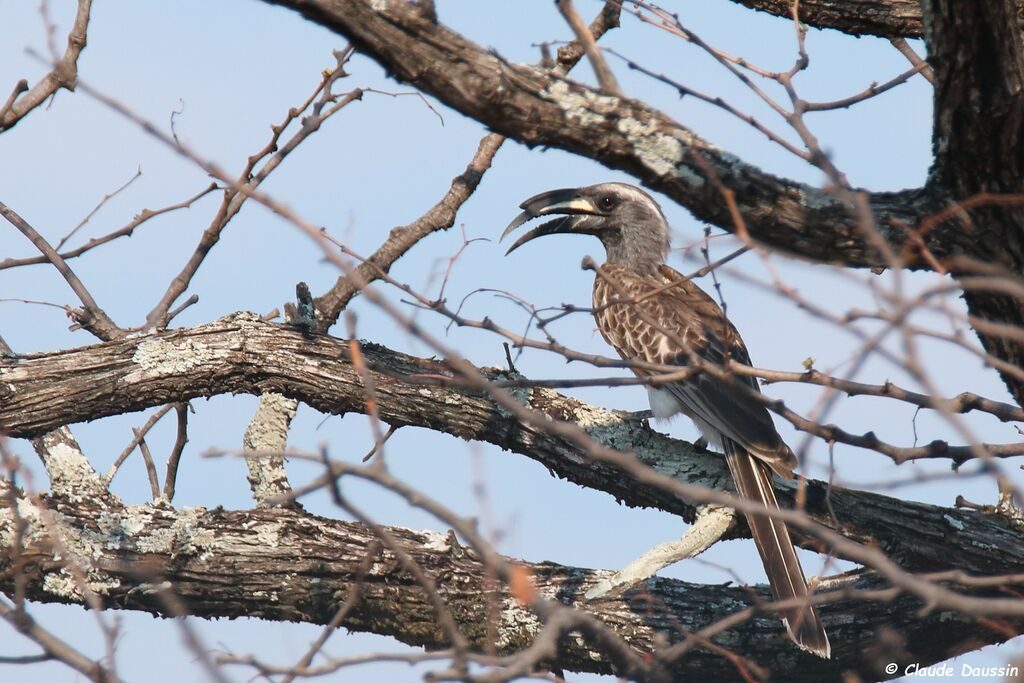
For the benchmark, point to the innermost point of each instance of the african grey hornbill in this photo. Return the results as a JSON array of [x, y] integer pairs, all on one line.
[[650, 312]]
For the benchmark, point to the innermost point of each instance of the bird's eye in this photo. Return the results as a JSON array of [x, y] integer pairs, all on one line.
[[607, 202]]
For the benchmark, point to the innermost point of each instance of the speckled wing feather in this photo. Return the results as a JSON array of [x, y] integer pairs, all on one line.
[[660, 318], [659, 322]]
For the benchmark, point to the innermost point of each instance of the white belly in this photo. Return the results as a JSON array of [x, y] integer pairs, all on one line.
[[664, 405]]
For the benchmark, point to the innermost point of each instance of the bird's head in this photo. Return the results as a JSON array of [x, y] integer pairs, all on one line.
[[626, 219]]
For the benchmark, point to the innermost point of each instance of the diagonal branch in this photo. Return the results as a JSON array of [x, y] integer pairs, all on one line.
[[886, 18], [536, 107], [441, 216], [63, 75], [92, 317]]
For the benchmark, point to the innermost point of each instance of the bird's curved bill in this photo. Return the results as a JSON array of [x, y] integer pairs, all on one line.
[[568, 202]]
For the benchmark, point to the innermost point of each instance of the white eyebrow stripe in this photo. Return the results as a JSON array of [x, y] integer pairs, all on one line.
[[639, 195]]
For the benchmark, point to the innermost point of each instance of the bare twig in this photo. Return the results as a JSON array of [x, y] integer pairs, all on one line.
[[147, 458], [903, 46], [125, 231], [93, 318], [19, 87], [139, 434], [583, 35], [869, 92], [235, 195], [55, 647], [104, 200], [180, 439], [64, 74]]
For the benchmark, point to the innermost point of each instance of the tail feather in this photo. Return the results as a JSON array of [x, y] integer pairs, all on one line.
[[785, 576]]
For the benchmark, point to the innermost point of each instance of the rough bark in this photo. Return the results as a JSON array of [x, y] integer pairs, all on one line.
[[978, 59], [886, 18], [285, 565], [242, 354]]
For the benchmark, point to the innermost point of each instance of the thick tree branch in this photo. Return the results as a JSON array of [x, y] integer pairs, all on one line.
[[243, 354], [886, 18], [538, 108], [282, 564], [978, 58]]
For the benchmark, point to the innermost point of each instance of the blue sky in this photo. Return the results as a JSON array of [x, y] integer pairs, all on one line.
[[233, 68]]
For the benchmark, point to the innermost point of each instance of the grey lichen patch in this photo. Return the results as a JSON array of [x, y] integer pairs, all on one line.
[[64, 584], [160, 356], [140, 529], [267, 434], [78, 548], [518, 626], [435, 540], [953, 522], [71, 475], [605, 427], [817, 200], [137, 528], [189, 536], [268, 429], [30, 515], [119, 530], [269, 535], [580, 106], [661, 153], [522, 395]]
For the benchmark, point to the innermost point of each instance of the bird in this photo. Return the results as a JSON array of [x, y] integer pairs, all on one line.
[[650, 312]]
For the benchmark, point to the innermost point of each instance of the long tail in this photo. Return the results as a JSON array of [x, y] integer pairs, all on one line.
[[786, 578]]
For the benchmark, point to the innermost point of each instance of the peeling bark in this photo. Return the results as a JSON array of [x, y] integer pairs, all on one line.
[[268, 433]]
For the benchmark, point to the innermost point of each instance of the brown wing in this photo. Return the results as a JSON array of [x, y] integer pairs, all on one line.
[[661, 322], [662, 319]]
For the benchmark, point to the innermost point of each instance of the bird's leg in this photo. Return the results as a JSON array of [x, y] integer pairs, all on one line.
[[710, 524]]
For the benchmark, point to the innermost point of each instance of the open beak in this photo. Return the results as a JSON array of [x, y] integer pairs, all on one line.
[[567, 202]]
